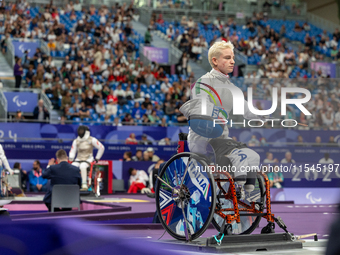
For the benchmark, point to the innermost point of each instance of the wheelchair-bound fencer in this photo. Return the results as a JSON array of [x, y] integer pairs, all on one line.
[[218, 181], [83, 147]]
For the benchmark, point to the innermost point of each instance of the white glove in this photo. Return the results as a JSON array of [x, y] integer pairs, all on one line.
[[11, 172]]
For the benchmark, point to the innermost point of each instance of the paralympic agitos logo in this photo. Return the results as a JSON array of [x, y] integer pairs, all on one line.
[[238, 106]]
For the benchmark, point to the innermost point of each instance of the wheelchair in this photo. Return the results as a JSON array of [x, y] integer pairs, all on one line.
[[94, 177], [191, 194]]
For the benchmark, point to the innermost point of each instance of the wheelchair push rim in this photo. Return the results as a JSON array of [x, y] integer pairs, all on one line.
[[186, 196]]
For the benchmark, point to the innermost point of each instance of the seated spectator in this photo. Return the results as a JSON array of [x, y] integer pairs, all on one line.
[[116, 122], [66, 100], [331, 142], [288, 158], [153, 117], [326, 159], [317, 142], [18, 116], [73, 112], [164, 141], [253, 141], [138, 180], [111, 108], [84, 112], [127, 156], [131, 139], [151, 155], [270, 159], [145, 119], [23, 174], [37, 182], [138, 156], [275, 178], [100, 108], [165, 86], [144, 140], [163, 123], [90, 100], [40, 112], [300, 141]]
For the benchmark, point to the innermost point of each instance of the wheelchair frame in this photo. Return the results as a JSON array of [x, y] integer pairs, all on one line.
[[239, 208]]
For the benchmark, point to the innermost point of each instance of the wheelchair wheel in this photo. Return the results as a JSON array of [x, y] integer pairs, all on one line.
[[248, 223], [4, 181], [186, 197]]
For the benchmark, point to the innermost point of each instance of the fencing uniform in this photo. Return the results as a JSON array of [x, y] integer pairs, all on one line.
[[3, 160], [211, 100], [83, 146]]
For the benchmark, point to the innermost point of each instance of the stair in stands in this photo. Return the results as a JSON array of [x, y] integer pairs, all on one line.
[[6, 71]]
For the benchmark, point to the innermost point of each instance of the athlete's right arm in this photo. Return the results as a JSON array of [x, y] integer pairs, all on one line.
[[73, 151], [4, 160]]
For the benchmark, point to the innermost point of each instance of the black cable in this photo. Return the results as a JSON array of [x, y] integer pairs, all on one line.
[[162, 235]]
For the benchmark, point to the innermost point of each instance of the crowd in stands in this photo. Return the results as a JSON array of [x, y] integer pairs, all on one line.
[[101, 78]]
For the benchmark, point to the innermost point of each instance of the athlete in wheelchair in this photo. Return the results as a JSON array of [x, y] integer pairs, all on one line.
[[83, 146], [218, 181]]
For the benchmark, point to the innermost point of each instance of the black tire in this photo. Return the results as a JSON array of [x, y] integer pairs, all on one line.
[[202, 200], [247, 225]]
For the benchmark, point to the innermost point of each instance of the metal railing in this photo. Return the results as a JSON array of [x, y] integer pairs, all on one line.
[[3, 106], [84, 3], [238, 9], [321, 22], [10, 53]]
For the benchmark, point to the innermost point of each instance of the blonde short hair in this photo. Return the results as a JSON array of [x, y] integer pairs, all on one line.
[[216, 48]]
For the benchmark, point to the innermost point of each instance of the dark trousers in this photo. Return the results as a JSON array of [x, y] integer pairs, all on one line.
[[17, 81], [56, 209]]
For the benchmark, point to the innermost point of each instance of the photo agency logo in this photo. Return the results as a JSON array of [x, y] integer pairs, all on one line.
[[233, 99]]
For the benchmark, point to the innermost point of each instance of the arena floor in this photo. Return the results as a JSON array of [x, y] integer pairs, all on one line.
[[133, 214]]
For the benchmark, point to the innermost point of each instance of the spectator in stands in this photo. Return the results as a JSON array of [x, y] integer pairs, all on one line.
[[131, 139], [84, 112], [144, 140], [152, 157], [100, 108], [326, 159], [165, 86], [253, 141], [40, 112], [138, 180], [116, 122], [270, 159], [164, 141], [138, 156], [163, 122], [66, 100], [72, 112], [331, 142], [288, 158], [300, 141], [3, 44], [317, 142], [37, 182], [148, 37], [18, 71], [127, 156], [275, 178], [18, 116], [23, 174]]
